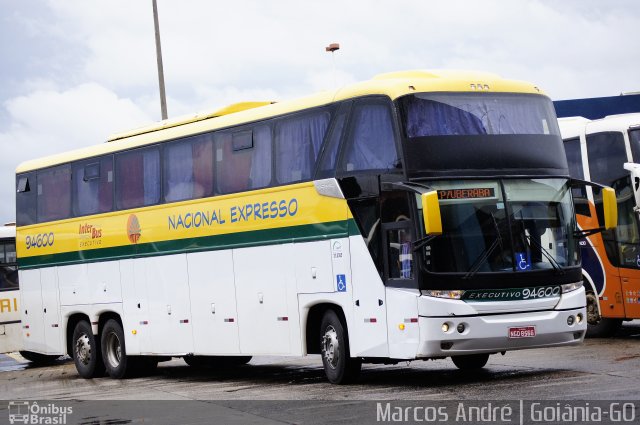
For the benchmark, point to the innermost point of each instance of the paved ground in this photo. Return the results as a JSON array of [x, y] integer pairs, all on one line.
[[605, 369]]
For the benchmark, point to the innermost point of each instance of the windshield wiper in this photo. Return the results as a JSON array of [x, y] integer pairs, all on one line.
[[475, 267]]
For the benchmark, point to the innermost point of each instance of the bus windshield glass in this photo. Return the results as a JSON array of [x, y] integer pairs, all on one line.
[[482, 232], [468, 114]]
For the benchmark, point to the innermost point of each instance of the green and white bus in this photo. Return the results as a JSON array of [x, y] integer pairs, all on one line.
[[418, 215]]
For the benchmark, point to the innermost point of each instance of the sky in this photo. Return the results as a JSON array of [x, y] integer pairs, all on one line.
[[72, 72]]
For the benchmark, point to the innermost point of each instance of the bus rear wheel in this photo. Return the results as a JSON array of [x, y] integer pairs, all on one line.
[[86, 351], [114, 353], [597, 326], [470, 361], [339, 366]]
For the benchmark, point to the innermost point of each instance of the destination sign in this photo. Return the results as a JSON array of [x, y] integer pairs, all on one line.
[[471, 193]]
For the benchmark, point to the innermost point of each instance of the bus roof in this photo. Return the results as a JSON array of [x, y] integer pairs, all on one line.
[[393, 85], [575, 126], [8, 231]]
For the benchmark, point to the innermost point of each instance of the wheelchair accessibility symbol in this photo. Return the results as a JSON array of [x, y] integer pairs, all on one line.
[[522, 261], [341, 283]]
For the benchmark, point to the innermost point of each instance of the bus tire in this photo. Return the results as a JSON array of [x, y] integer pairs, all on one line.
[[114, 353], [470, 361], [339, 366], [86, 351], [597, 326], [216, 362], [39, 359]]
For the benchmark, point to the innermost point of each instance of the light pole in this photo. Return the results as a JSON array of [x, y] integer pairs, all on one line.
[[332, 48], [163, 97]]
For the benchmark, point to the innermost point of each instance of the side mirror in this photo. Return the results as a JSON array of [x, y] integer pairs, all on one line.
[[634, 170], [610, 206], [431, 213]]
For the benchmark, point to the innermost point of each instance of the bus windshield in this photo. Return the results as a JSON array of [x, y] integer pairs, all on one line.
[[469, 114], [532, 230]]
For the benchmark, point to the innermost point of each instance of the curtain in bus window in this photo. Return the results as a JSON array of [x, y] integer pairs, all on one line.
[[298, 142], [189, 170], [232, 168], [151, 174], [372, 146], [54, 193], [261, 158], [93, 195], [138, 178]]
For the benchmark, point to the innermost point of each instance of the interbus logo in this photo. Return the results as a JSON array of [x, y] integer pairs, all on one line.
[[133, 229]]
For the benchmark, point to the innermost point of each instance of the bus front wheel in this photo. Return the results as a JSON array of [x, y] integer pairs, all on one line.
[[339, 367], [86, 351], [470, 361], [597, 326]]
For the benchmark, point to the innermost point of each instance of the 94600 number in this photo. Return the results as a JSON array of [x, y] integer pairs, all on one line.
[[40, 240]]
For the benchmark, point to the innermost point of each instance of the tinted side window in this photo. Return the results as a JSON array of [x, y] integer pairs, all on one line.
[[297, 143], [138, 178], [607, 155], [371, 144], [26, 199], [327, 165], [188, 169], [54, 193], [634, 140], [93, 186], [574, 157], [8, 267], [243, 159]]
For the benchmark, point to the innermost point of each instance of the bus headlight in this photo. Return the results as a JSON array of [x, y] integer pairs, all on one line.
[[440, 293], [568, 287]]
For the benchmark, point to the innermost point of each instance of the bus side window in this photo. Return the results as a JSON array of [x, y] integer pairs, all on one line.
[[188, 169], [330, 151], [8, 269], [54, 193], [138, 178], [297, 143], [371, 141], [93, 186], [243, 159], [26, 199], [607, 153]]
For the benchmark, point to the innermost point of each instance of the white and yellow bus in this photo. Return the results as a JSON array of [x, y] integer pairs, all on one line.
[[419, 215]]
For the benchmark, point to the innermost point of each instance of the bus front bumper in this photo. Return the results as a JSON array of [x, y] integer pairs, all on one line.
[[500, 332]]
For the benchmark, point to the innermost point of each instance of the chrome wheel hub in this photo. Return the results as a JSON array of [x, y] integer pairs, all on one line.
[[83, 349], [331, 347]]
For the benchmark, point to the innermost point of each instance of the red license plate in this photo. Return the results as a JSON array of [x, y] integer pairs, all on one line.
[[522, 332]]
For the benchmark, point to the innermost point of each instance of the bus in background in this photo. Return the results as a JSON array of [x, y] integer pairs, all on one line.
[[10, 332], [604, 151], [420, 215]]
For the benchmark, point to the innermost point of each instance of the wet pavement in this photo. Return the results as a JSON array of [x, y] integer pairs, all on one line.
[[600, 368]]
